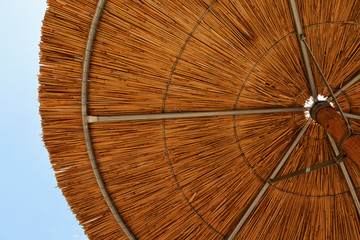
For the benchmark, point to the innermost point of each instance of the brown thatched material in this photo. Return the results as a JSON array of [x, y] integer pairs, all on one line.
[[195, 178]]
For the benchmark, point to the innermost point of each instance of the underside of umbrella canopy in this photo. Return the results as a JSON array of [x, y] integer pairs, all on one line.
[[188, 119]]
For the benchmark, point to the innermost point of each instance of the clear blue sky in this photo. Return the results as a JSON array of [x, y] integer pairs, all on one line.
[[31, 206]]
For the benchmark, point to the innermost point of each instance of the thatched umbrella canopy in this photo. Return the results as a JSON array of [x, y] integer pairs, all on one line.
[[187, 119]]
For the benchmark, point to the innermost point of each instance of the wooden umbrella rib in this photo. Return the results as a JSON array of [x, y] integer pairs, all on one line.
[[346, 86], [267, 183], [348, 127], [351, 187], [355, 79], [84, 87], [347, 176], [304, 53], [92, 119], [304, 171], [353, 116]]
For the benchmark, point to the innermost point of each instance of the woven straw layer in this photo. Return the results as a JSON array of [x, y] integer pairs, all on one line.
[[195, 178]]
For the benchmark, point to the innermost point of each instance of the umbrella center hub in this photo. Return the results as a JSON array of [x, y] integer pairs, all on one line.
[[316, 107], [310, 103]]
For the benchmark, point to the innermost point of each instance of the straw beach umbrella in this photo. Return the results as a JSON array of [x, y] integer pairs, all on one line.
[[204, 119]]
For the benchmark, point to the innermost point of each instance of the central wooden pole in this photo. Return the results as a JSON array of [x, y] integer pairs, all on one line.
[[335, 125]]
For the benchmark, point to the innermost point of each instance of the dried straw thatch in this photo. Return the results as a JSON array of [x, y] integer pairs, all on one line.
[[196, 178]]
